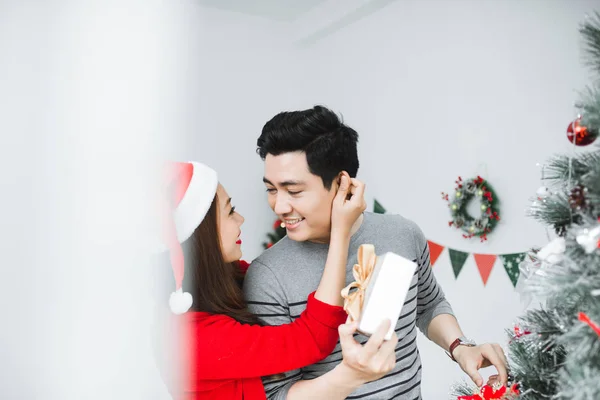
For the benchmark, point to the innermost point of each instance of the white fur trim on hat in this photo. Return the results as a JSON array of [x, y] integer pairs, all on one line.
[[194, 205], [197, 200]]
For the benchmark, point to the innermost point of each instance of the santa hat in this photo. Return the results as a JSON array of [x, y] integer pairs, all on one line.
[[190, 192]]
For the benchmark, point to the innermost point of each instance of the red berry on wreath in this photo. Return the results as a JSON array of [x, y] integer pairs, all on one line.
[[579, 134]]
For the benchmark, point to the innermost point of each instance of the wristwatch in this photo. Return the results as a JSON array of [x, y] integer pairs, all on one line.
[[461, 341]]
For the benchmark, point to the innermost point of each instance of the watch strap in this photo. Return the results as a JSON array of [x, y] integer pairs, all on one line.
[[457, 342]]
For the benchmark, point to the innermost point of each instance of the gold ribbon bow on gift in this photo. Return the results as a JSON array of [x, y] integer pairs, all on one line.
[[353, 302]]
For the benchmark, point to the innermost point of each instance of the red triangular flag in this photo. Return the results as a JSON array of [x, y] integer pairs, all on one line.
[[434, 251], [485, 263]]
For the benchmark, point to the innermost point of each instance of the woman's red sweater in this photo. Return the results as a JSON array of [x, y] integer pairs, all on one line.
[[224, 359]]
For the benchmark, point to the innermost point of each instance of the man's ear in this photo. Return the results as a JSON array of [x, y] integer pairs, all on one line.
[[338, 178]]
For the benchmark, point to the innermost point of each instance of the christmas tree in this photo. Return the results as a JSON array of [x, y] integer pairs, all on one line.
[[275, 236], [554, 348]]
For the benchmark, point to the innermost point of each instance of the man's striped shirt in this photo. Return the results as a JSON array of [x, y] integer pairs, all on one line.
[[279, 281]]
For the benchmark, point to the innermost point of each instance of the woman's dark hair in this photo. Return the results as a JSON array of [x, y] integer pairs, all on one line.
[[329, 144], [215, 285]]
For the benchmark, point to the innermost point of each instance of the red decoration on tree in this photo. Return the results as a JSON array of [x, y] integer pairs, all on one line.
[[579, 134], [598, 244], [519, 332], [584, 318], [488, 392]]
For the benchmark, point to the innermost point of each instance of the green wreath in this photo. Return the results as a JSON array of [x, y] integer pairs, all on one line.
[[473, 226]]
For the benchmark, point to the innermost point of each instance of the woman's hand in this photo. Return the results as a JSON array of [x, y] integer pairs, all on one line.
[[348, 204]]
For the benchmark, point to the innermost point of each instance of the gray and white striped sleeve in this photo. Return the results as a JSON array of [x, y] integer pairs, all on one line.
[[431, 301]]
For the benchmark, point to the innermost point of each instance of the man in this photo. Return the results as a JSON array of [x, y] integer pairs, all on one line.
[[305, 153]]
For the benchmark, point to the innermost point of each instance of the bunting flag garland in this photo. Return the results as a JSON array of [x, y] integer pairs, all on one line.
[[484, 262]]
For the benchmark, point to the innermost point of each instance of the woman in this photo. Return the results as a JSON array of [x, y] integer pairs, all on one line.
[[223, 349]]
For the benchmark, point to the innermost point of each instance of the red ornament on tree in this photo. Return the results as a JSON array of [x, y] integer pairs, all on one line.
[[493, 392], [584, 318], [579, 134]]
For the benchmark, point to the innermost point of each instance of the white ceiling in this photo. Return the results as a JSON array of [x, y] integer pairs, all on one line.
[[309, 20], [278, 10]]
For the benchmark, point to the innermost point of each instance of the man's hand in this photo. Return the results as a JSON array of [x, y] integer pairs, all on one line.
[[472, 359], [370, 361]]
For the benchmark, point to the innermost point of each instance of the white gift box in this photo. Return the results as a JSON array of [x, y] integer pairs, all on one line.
[[386, 293]]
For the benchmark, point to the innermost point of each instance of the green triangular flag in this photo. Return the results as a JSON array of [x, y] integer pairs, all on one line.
[[457, 258], [378, 208], [511, 265]]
